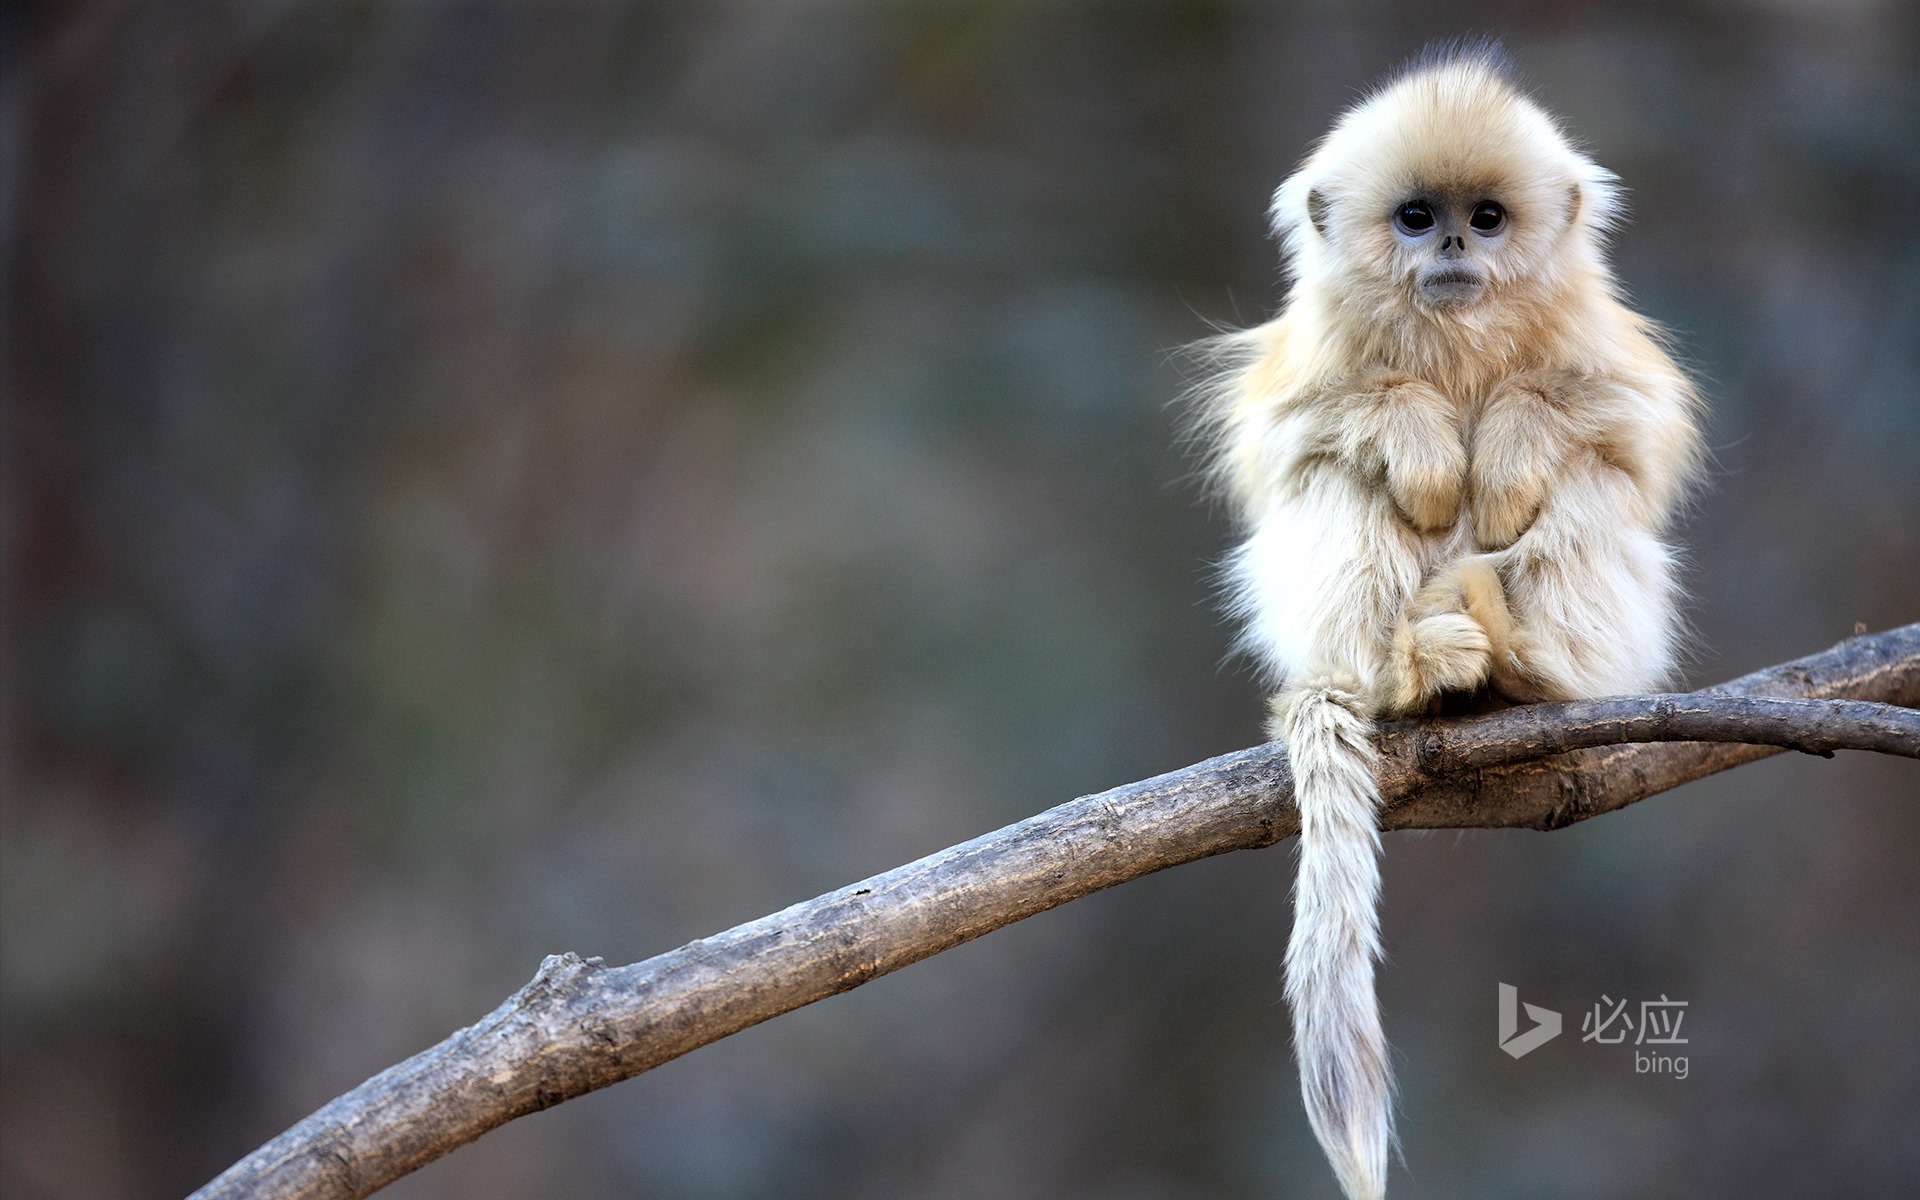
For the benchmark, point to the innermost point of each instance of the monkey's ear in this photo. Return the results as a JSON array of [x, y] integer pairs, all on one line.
[[1576, 200], [1317, 211]]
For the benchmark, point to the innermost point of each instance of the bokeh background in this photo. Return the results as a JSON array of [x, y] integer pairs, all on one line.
[[486, 480]]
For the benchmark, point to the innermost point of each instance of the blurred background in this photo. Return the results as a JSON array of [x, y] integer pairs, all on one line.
[[487, 480]]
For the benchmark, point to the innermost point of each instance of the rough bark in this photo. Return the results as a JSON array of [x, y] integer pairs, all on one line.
[[581, 1025]]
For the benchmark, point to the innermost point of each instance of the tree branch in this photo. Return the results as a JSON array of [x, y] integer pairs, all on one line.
[[581, 1025]]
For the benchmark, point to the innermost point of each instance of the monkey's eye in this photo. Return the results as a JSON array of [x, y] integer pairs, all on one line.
[[1488, 217], [1414, 217]]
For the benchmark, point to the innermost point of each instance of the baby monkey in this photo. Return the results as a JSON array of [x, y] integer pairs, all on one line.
[[1454, 454]]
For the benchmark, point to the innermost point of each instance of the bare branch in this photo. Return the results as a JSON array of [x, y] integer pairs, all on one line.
[[581, 1025]]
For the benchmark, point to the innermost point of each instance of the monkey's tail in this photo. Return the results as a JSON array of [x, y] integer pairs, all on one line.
[[1344, 1074]]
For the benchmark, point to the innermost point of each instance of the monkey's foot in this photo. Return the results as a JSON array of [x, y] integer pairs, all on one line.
[[1474, 587], [1441, 652]]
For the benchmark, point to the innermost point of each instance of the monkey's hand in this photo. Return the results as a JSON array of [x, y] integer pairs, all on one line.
[[1399, 430], [1525, 432]]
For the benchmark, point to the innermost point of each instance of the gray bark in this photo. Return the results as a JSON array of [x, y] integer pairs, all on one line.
[[581, 1025]]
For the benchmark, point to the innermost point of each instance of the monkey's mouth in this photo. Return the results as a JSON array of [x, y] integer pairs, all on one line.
[[1451, 288]]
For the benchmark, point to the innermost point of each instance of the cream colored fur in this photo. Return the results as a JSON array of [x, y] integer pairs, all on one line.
[[1436, 498]]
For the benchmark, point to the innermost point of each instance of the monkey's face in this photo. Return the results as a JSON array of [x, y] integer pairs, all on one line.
[[1447, 196], [1450, 240], [1446, 241]]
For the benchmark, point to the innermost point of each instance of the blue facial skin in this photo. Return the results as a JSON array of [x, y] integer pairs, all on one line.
[[1453, 233]]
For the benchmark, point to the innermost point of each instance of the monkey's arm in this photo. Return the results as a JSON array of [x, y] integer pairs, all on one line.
[[1353, 476], [1534, 424], [1397, 432], [1589, 591]]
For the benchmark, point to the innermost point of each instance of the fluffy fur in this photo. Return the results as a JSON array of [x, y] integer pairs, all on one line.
[[1455, 453]]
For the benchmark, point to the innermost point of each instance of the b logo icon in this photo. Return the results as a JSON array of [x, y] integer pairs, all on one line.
[[1511, 1039]]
